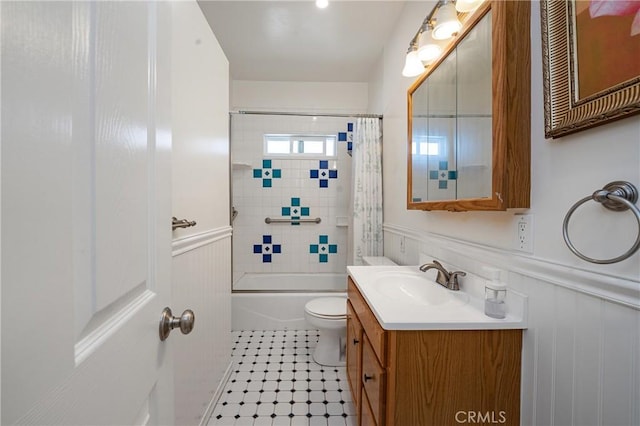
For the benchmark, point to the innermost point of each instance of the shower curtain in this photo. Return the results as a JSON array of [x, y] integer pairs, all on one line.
[[366, 235]]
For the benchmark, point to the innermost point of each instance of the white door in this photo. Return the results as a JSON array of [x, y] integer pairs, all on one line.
[[86, 236]]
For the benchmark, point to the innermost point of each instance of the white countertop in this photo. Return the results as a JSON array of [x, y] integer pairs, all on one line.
[[394, 314]]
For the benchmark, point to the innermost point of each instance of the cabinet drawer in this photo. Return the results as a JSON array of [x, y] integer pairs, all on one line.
[[354, 354], [371, 326], [366, 416], [373, 382]]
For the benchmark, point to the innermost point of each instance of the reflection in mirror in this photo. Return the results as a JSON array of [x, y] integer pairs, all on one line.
[[451, 123]]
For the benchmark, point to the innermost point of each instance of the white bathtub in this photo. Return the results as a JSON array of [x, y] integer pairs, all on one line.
[[276, 301]]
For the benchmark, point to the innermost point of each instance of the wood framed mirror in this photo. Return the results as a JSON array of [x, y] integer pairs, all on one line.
[[469, 117]]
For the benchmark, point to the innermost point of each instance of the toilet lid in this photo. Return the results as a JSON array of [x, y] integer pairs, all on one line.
[[328, 306]]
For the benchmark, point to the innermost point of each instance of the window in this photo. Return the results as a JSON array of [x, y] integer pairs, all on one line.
[[314, 146], [431, 145]]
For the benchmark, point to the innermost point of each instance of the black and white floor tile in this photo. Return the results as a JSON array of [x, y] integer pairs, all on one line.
[[275, 382]]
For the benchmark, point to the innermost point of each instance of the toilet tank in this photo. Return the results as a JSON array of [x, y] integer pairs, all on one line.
[[377, 261]]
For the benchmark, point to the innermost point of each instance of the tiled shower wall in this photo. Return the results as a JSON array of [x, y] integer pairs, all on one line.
[[279, 187]]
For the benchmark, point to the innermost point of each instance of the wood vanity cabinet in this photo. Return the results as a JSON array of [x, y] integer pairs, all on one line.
[[430, 377]]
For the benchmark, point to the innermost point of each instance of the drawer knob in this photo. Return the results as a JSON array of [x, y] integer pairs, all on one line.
[[356, 341], [366, 378]]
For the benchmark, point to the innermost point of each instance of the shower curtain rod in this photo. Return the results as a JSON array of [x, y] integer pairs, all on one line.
[[305, 114]]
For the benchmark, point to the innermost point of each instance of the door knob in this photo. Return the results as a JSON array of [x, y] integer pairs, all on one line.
[[168, 322]]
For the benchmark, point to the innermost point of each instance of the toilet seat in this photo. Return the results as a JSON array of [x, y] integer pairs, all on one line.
[[327, 307]]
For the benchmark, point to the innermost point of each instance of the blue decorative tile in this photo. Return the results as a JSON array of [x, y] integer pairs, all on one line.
[[267, 173], [323, 173], [433, 174], [443, 165], [416, 199], [323, 249], [350, 127], [453, 175], [442, 184], [267, 249], [342, 136], [349, 146], [295, 210]]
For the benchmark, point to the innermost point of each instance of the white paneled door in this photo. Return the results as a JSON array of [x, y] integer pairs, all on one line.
[[86, 240]]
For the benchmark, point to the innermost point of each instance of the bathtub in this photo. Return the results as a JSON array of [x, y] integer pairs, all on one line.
[[276, 301]]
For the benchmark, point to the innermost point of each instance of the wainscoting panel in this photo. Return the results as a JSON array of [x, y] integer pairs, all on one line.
[[202, 283], [581, 351]]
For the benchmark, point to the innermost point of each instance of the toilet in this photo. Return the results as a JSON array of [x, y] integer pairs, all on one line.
[[329, 316]]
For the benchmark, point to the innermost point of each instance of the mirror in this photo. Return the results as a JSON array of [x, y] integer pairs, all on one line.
[[456, 142]]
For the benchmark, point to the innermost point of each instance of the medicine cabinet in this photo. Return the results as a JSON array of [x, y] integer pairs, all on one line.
[[469, 117]]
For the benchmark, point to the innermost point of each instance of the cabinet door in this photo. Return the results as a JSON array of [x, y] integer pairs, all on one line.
[[373, 381], [354, 354], [366, 414]]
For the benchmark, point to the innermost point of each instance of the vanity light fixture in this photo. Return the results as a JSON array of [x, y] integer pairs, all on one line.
[[412, 64], [322, 4], [447, 23], [464, 6], [429, 49]]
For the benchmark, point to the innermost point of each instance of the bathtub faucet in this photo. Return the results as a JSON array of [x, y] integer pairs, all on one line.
[[444, 278]]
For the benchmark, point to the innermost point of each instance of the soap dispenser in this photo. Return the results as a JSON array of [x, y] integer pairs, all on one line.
[[495, 295]]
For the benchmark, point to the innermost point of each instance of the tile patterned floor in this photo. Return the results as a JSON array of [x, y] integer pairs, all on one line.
[[275, 382]]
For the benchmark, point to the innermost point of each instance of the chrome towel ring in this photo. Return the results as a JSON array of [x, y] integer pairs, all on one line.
[[617, 196]]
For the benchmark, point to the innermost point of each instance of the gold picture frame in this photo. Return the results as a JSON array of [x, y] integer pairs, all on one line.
[[565, 111]]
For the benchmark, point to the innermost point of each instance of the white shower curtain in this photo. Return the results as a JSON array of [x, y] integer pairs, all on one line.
[[366, 225]]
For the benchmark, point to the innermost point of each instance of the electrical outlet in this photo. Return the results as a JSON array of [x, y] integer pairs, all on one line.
[[402, 246], [524, 233]]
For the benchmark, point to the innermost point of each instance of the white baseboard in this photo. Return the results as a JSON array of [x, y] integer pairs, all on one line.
[[216, 395]]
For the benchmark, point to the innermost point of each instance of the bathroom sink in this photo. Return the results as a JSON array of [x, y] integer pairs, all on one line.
[[413, 287]]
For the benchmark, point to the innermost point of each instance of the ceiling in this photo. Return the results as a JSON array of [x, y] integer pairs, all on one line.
[[296, 41]]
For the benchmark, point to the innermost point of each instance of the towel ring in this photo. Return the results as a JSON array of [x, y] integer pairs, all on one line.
[[617, 196]]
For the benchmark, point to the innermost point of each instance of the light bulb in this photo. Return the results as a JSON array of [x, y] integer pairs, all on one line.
[[412, 65], [467, 5], [322, 3], [429, 49], [447, 23]]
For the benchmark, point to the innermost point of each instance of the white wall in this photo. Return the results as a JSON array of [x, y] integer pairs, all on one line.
[[578, 311], [293, 96], [201, 254]]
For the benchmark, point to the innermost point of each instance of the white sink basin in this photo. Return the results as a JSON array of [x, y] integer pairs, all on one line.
[[412, 287]]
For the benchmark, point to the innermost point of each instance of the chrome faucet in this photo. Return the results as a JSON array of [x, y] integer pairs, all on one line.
[[444, 278]]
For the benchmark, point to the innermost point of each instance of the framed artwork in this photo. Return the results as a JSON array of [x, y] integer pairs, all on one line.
[[591, 63]]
